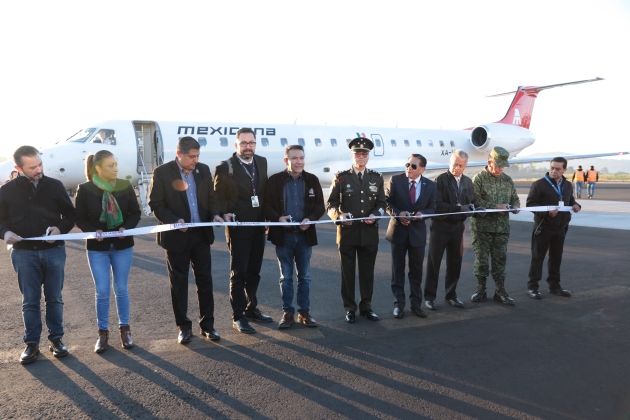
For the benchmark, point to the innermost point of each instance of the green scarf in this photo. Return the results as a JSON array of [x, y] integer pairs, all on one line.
[[111, 212]]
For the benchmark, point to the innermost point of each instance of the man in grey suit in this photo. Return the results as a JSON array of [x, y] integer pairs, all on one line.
[[408, 195]]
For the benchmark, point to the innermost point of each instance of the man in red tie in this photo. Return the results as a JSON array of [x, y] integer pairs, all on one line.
[[409, 195]]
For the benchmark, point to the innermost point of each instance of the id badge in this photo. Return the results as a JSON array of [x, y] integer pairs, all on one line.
[[255, 202], [561, 203]]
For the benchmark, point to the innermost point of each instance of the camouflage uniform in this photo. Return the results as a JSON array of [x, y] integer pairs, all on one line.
[[490, 234]]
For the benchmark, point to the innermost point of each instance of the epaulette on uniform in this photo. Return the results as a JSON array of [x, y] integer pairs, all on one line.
[[375, 172]]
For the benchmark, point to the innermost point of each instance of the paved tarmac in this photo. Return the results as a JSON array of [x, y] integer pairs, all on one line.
[[555, 358]]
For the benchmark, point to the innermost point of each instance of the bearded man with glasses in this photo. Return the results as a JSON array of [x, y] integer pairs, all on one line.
[[357, 193]]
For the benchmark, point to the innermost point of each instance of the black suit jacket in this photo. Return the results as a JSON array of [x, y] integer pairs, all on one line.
[[235, 194], [89, 204], [168, 201], [398, 200]]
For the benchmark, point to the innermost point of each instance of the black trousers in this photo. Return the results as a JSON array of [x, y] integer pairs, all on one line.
[[196, 254], [552, 241], [246, 257], [416, 258], [449, 238], [367, 258]]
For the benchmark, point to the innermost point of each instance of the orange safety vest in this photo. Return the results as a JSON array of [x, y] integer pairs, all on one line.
[[579, 176], [591, 176]]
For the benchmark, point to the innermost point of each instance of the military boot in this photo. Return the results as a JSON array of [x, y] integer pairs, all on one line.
[[500, 295], [481, 290]]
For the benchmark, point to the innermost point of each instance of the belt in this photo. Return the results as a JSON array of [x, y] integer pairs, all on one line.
[[295, 232]]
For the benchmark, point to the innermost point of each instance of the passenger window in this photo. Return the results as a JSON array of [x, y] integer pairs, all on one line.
[[441, 144], [333, 142], [264, 141], [202, 141], [105, 136], [284, 142], [406, 143], [224, 141], [418, 143], [378, 143], [318, 142], [393, 143], [301, 142], [348, 141], [430, 143], [452, 143]]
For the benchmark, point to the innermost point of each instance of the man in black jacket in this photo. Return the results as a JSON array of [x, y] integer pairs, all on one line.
[[182, 192], [550, 227], [294, 195], [455, 193], [34, 205], [240, 184]]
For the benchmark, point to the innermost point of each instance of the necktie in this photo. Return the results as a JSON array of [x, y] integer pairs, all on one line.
[[360, 177], [412, 192]]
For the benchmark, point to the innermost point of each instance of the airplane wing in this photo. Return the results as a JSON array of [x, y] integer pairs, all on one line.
[[437, 166]]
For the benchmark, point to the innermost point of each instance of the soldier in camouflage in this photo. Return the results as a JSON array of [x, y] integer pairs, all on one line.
[[494, 190]]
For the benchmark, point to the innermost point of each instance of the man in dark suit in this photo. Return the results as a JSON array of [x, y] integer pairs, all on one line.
[[240, 184], [455, 193], [356, 193], [182, 192], [408, 196]]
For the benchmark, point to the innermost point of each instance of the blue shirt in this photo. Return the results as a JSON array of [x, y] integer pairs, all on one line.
[[191, 193], [294, 198]]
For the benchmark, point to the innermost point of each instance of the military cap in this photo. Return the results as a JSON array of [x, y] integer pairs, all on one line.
[[361, 144], [580, 167], [500, 156]]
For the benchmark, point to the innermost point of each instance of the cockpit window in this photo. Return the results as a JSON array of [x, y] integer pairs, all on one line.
[[82, 135], [105, 136]]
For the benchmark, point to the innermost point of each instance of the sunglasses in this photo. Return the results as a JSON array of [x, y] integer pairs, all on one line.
[[413, 165]]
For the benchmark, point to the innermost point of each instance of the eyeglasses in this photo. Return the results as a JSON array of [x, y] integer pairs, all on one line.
[[245, 144], [361, 154], [413, 165]]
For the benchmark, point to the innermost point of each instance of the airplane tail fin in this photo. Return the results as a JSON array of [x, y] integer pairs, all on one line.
[[520, 111]]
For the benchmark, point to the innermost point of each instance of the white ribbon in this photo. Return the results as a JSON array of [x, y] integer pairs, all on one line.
[[173, 226]]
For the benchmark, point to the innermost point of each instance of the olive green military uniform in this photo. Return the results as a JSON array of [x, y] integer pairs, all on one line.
[[360, 199], [490, 234]]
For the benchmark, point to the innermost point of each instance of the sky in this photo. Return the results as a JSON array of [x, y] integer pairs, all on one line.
[[420, 64]]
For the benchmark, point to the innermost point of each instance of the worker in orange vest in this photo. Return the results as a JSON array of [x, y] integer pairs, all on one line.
[[579, 176], [592, 176]]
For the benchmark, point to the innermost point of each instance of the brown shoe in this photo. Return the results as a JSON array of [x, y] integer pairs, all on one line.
[[101, 343], [306, 319], [125, 337], [286, 321]]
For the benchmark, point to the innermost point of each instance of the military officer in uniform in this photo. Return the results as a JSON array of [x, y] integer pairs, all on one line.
[[490, 234], [356, 193]]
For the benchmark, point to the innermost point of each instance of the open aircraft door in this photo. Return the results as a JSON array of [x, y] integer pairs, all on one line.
[[379, 145]]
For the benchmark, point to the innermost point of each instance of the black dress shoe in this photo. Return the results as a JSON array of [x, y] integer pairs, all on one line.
[[257, 316], [534, 294], [243, 326], [430, 304], [369, 314], [184, 336], [418, 312], [350, 317], [211, 334], [57, 348], [455, 302], [560, 292], [504, 299], [398, 312], [29, 355]]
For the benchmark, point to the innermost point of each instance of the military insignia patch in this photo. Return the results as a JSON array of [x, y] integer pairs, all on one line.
[[373, 188]]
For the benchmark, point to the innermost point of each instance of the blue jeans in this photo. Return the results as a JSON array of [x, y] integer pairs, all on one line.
[[578, 187], [591, 188], [295, 251], [119, 263], [34, 270]]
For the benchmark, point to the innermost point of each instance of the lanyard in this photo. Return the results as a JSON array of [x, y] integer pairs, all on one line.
[[251, 177], [458, 192], [558, 189]]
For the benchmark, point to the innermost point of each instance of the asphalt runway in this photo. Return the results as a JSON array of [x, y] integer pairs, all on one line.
[[555, 358]]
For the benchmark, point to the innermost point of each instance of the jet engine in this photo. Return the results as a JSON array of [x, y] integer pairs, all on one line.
[[511, 137]]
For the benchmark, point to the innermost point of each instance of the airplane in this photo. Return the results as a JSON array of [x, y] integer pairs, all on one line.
[[142, 145]]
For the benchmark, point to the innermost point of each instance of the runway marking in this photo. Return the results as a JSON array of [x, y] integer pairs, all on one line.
[[441, 317]]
